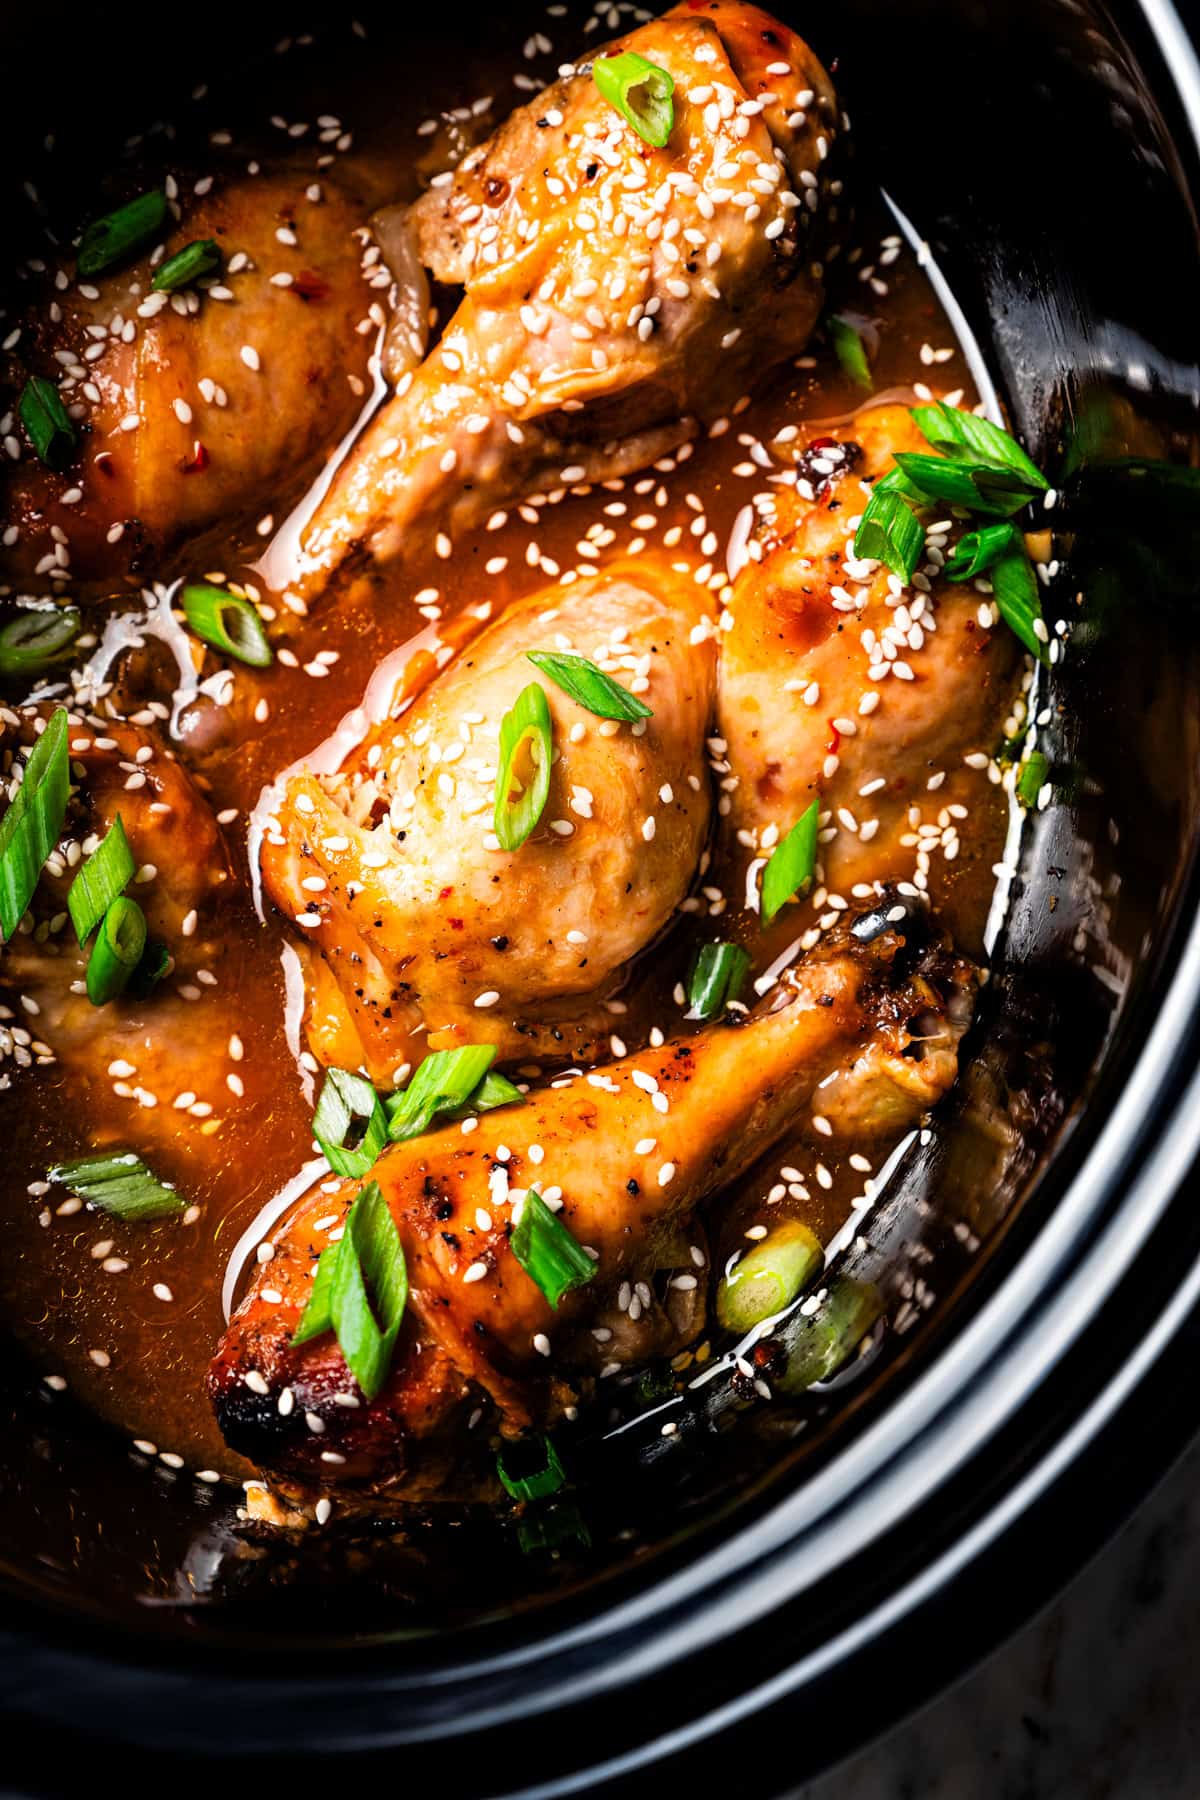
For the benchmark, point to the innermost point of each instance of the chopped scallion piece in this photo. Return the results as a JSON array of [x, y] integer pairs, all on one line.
[[827, 1337], [227, 622], [546, 1480], [361, 1290], [716, 979], [851, 351], [976, 551], [116, 952], [120, 1183], [47, 422], [890, 532], [445, 1080], [641, 93], [588, 685], [957, 481], [1018, 598], [29, 829], [1032, 778], [523, 778], [347, 1099], [34, 641], [561, 1527], [792, 864], [546, 1250], [120, 234], [187, 265], [105, 875], [769, 1276], [494, 1090], [951, 429]]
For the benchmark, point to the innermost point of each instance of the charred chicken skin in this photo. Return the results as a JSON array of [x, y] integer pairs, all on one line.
[[862, 1031], [613, 292]]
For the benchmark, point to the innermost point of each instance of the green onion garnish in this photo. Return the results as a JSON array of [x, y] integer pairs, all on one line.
[[187, 265], [347, 1102], [119, 234], [227, 622], [526, 738], [445, 1080], [976, 551], [116, 952], [47, 422], [494, 1090], [546, 1250], [890, 532], [792, 864], [589, 686], [1018, 598], [34, 641], [368, 1255], [851, 351], [546, 1480], [641, 93], [716, 979], [826, 1338], [1032, 778], [769, 1277], [29, 829], [958, 481], [105, 875], [120, 1184], [958, 432], [560, 1527]]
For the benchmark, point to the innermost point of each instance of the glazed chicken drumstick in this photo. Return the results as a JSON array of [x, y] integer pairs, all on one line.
[[391, 870], [611, 290], [630, 1154]]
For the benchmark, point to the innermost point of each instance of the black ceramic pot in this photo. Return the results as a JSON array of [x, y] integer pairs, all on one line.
[[752, 1611]]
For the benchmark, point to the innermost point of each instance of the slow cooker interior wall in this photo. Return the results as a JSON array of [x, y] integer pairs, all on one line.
[[1029, 152]]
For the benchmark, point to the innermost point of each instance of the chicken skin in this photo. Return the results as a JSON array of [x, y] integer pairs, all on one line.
[[626, 1156], [611, 290], [838, 683], [200, 405], [392, 871]]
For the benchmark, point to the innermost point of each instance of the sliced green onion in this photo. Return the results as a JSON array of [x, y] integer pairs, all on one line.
[[716, 979], [1032, 778], [47, 422], [187, 265], [546, 1250], [106, 874], [851, 351], [890, 532], [116, 952], [958, 482], [156, 960], [348, 1101], [1018, 598], [526, 736], [546, 1480], [35, 640], [367, 1263], [227, 622], [494, 1090], [827, 1337], [121, 1184], [641, 93], [119, 234], [956, 431], [792, 864], [976, 551], [588, 685], [445, 1080], [769, 1277], [560, 1527], [30, 828]]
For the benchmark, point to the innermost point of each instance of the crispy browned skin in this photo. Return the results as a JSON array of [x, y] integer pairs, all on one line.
[[400, 885], [803, 704], [568, 233], [160, 455], [630, 1172]]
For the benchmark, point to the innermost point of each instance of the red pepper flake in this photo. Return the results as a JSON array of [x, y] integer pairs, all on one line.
[[309, 285], [198, 461], [835, 741]]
